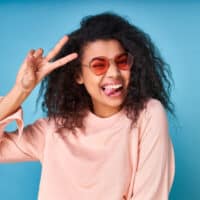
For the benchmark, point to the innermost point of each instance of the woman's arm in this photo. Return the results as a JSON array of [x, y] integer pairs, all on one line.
[[31, 141], [24, 144], [12, 101], [156, 166], [34, 68]]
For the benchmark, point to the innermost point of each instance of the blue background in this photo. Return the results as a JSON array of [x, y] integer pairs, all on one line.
[[173, 26]]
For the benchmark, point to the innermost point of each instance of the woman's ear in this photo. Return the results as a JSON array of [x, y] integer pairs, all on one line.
[[79, 78]]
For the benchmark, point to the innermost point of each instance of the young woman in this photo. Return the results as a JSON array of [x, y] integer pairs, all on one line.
[[105, 136]]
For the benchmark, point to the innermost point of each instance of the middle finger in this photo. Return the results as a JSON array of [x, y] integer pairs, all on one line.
[[57, 48]]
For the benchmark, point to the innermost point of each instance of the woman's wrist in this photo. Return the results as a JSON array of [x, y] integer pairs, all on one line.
[[12, 101]]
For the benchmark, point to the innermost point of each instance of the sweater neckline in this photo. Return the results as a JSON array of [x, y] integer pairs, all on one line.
[[94, 123]]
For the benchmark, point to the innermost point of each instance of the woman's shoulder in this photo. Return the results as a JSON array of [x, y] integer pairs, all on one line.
[[153, 122], [154, 106], [153, 110]]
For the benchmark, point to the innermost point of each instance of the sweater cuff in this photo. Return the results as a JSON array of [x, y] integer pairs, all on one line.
[[18, 117]]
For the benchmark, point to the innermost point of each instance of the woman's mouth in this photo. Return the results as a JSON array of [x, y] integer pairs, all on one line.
[[113, 90]]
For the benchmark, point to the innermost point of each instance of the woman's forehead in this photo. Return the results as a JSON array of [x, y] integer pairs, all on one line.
[[108, 48]]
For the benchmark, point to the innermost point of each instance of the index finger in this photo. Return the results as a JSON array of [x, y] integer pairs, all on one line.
[[57, 48]]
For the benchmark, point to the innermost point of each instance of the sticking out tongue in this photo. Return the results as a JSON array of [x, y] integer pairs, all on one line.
[[109, 91], [113, 90]]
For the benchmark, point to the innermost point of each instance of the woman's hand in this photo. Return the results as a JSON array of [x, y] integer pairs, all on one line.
[[36, 66]]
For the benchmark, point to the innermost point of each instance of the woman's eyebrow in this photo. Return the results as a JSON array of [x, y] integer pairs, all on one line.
[[101, 56]]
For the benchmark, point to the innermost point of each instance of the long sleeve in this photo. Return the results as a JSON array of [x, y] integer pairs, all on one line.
[[155, 169], [24, 144]]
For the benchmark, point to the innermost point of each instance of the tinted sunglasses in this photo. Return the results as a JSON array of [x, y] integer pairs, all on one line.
[[99, 65]]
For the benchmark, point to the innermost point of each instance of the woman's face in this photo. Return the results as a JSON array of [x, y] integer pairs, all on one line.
[[107, 90]]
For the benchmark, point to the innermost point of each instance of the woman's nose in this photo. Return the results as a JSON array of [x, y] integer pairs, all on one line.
[[113, 70]]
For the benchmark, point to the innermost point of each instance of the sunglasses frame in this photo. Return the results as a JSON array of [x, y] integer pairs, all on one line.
[[130, 58]]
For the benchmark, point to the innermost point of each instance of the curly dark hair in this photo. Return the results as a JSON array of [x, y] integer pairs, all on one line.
[[68, 101]]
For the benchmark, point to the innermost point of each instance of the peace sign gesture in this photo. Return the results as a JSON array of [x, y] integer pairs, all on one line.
[[36, 66]]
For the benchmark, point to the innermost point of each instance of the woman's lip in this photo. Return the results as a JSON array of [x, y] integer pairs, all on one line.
[[112, 89]]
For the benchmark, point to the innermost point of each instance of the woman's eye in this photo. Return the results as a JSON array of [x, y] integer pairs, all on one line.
[[122, 59], [98, 64]]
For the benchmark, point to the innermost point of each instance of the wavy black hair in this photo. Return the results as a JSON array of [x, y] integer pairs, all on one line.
[[68, 101]]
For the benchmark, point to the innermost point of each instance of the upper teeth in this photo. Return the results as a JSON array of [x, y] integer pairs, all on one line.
[[113, 86]]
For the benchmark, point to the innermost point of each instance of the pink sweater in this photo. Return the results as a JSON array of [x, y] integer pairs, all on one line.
[[110, 160]]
